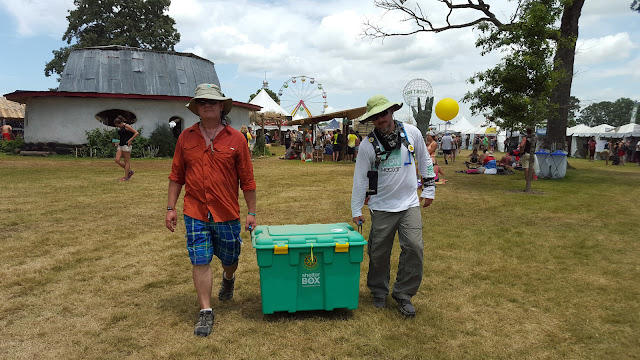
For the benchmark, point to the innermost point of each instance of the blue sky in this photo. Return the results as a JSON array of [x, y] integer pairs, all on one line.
[[321, 39]]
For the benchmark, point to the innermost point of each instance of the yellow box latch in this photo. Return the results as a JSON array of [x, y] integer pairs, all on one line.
[[342, 247], [281, 249]]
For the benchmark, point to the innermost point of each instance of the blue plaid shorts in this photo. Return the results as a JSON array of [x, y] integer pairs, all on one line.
[[208, 238]]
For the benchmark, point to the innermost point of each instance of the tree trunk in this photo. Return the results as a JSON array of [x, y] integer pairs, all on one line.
[[564, 59]]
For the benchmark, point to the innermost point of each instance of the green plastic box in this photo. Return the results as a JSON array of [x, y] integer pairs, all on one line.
[[308, 267]]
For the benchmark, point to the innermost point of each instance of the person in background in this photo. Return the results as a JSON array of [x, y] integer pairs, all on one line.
[[388, 176], [454, 147], [6, 131], [489, 164], [338, 139], [605, 152], [212, 160], [127, 134], [474, 158], [358, 141], [447, 145], [308, 144], [438, 171], [432, 146], [351, 145], [524, 150], [592, 149], [507, 160]]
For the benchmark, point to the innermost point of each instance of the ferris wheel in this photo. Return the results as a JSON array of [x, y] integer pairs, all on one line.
[[303, 95]]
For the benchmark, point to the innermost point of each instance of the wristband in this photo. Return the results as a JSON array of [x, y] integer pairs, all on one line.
[[250, 213], [170, 208]]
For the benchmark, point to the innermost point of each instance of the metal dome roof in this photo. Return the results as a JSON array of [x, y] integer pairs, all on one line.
[[127, 70]]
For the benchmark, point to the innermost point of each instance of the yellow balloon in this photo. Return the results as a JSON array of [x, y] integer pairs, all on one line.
[[447, 109]]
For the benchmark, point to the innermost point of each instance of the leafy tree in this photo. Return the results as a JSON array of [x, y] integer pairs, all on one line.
[[516, 93], [565, 41], [574, 108], [615, 113], [273, 95], [162, 138], [635, 5], [136, 23]]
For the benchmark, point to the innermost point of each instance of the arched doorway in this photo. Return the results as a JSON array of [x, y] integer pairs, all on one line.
[[175, 124]]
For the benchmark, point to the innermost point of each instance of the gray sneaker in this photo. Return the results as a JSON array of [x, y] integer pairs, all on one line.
[[204, 324], [226, 289], [405, 307], [379, 301]]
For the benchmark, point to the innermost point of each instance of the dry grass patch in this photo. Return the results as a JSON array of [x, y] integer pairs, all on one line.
[[87, 269]]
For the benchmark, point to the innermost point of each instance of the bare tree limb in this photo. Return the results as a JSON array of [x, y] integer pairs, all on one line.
[[423, 24]]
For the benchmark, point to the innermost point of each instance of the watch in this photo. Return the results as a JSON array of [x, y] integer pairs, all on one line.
[[169, 208]]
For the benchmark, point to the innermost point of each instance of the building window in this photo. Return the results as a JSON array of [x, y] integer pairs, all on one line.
[[108, 116], [176, 124]]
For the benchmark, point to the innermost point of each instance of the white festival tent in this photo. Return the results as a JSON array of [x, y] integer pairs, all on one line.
[[268, 105], [624, 131], [462, 126], [581, 134], [580, 128], [263, 99]]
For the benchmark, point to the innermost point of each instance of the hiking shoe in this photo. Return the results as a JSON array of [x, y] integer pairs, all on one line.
[[405, 307], [131, 172], [379, 301], [226, 289], [204, 324]]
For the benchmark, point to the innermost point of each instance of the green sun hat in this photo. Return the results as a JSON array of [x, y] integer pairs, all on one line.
[[377, 104], [210, 91]]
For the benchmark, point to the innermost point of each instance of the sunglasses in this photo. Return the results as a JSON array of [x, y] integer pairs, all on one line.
[[382, 114], [206, 101]]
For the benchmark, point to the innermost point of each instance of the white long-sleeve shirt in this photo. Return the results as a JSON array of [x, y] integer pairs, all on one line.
[[397, 182]]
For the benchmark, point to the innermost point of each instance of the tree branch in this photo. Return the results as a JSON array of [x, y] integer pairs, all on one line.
[[422, 22]]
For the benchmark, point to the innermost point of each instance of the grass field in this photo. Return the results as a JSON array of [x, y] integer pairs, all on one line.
[[88, 270]]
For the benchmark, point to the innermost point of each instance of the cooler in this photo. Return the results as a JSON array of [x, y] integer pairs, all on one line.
[[308, 267]]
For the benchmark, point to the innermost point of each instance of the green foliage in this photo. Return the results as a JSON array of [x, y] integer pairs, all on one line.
[[615, 113], [136, 23], [162, 138], [11, 146], [101, 144], [516, 93], [260, 148], [423, 116], [100, 141], [273, 95], [574, 108]]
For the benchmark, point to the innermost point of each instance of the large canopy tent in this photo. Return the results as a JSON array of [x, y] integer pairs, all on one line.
[[272, 116], [580, 135], [628, 130], [350, 115]]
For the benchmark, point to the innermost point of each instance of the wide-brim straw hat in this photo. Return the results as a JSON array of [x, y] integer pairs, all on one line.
[[210, 91], [377, 104]]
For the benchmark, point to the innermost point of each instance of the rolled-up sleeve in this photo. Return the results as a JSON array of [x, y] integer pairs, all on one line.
[[177, 167]]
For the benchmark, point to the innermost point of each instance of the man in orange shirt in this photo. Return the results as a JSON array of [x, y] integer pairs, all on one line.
[[211, 160]]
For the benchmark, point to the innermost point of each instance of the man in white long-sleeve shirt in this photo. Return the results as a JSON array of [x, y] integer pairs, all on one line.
[[386, 172]]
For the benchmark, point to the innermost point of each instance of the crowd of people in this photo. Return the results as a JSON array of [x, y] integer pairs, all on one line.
[[301, 145], [618, 151]]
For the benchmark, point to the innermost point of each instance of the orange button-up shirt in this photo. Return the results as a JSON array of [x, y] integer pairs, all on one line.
[[212, 179]]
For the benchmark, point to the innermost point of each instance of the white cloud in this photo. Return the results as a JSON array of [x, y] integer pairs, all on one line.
[[323, 39], [39, 17], [605, 49]]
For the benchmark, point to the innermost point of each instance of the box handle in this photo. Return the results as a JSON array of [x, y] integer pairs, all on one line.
[[342, 247], [281, 249]]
